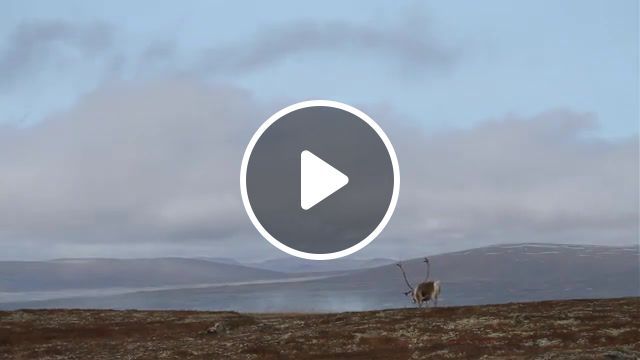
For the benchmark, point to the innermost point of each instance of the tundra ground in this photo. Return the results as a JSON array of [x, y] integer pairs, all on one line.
[[600, 329]]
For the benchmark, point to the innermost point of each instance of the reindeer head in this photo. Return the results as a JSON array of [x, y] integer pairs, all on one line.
[[411, 295]]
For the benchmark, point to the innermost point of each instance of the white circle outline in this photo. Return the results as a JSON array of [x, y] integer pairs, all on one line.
[[243, 180]]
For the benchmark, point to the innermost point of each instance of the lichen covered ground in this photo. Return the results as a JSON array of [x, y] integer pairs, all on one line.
[[598, 329]]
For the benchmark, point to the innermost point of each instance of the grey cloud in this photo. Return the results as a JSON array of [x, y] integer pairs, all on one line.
[[408, 44], [38, 42], [155, 166], [155, 161], [518, 179]]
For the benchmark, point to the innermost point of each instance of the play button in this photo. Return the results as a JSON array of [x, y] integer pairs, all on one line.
[[319, 180]]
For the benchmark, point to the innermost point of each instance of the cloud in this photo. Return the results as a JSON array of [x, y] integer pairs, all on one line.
[[78, 56], [154, 167], [36, 43], [515, 179], [153, 162], [409, 45]]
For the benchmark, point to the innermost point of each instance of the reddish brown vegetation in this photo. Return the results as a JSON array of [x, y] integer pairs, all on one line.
[[552, 329]]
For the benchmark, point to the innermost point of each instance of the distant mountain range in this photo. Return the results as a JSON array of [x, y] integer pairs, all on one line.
[[295, 265], [494, 274], [126, 273]]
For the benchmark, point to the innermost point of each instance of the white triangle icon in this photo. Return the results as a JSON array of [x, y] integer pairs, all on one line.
[[318, 180]]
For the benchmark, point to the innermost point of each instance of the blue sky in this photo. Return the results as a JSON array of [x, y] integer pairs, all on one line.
[[506, 57], [123, 123]]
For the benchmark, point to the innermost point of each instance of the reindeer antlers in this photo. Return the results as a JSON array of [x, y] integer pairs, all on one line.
[[405, 277], [428, 269]]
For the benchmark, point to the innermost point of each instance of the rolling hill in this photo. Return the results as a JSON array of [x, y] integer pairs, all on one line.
[[66, 274], [495, 274]]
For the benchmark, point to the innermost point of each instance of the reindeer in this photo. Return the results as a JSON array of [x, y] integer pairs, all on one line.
[[425, 291]]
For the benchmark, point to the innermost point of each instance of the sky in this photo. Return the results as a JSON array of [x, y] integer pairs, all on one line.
[[123, 125]]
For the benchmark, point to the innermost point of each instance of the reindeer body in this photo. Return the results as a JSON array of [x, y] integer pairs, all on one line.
[[425, 291]]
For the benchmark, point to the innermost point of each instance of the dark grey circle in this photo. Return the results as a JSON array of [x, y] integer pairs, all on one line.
[[348, 144]]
